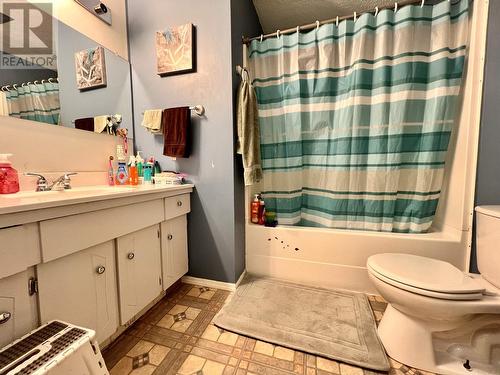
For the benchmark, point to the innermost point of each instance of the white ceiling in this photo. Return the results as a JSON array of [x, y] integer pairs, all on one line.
[[283, 14]]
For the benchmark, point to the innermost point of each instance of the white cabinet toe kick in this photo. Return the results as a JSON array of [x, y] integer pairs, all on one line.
[[99, 268]]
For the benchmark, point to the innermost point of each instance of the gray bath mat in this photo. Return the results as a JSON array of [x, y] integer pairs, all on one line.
[[330, 323]]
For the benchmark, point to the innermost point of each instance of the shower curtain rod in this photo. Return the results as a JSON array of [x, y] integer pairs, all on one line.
[[311, 26]]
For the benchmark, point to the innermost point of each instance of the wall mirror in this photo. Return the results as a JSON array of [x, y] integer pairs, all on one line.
[[77, 83]]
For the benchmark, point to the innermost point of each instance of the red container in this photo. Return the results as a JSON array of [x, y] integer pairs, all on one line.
[[9, 180]]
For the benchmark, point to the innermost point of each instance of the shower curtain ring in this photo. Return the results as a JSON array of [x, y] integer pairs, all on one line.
[[278, 34], [355, 17], [337, 21], [261, 37], [376, 11], [298, 29], [395, 7], [317, 25], [423, 3]]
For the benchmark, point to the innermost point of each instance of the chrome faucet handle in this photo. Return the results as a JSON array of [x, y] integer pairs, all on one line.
[[41, 184], [66, 179]]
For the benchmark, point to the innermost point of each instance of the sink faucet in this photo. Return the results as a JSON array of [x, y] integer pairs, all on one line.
[[61, 183]]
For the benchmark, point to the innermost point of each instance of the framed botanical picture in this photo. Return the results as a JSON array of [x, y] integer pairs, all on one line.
[[90, 68], [176, 50]]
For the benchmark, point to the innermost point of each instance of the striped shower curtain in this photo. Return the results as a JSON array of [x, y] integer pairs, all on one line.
[[355, 119], [35, 101]]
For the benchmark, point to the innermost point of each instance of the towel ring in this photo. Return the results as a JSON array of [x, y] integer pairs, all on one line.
[[278, 33], [355, 17], [317, 25], [337, 21], [395, 7], [376, 11]]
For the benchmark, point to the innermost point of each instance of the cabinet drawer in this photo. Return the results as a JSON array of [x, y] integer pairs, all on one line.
[[67, 235], [20, 249], [177, 205]]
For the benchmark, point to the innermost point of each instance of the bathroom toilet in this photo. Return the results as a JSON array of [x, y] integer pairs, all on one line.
[[439, 318]]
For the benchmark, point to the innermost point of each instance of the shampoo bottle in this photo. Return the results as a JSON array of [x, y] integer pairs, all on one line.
[[133, 177], [254, 209], [9, 180]]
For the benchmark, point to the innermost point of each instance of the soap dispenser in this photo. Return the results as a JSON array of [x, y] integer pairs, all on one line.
[[9, 180]]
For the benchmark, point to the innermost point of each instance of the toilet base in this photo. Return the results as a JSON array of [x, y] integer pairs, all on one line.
[[442, 347]]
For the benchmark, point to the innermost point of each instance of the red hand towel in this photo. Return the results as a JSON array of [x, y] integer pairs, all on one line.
[[85, 124], [176, 132]]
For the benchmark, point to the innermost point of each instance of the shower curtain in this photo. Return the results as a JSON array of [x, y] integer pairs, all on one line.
[[355, 118], [35, 101]]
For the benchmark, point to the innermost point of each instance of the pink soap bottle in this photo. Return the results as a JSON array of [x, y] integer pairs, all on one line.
[[9, 180]]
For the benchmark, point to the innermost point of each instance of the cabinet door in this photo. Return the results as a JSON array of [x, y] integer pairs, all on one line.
[[81, 289], [174, 250], [139, 270], [18, 310]]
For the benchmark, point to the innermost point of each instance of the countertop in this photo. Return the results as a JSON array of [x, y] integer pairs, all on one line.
[[31, 200]]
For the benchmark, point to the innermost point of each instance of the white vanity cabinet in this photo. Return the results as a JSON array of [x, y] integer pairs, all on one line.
[[174, 250], [18, 310], [139, 270], [100, 263], [81, 288]]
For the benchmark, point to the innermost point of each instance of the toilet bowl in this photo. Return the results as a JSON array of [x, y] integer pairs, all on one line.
[[439, 318]]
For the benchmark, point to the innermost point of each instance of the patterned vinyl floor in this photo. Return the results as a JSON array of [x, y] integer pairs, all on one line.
[[177, 337]]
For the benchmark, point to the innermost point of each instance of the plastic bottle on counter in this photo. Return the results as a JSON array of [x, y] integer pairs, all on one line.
[[9, 179], [133, 177]]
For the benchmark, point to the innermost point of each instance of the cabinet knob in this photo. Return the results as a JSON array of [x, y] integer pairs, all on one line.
[[100, 270], [170, 236], [4, 317], [179, 203], [130, 256]]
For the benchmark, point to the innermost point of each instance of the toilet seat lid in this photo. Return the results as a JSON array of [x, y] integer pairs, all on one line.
[[424, 273]]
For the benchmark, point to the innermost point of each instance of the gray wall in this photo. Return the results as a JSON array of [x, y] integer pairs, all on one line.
[[488, 168], [244, 22], [115, 98], [216, 242]]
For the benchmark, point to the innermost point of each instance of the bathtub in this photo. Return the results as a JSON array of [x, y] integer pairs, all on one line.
[[335, 258]]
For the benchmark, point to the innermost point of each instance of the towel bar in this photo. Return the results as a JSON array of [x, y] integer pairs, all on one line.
[[198, 109]]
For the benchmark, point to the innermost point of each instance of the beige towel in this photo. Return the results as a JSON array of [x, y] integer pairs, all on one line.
[[152, 121], [248, 131], [4, 106], [100, 123]]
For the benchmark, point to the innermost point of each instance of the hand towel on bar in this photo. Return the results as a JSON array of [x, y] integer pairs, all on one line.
[[4, 106], [152, 121], [248, 131], [100, 123], [176, 124], [85, 124]]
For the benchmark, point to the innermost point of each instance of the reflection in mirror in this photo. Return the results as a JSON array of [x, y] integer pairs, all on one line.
[[83, 85]]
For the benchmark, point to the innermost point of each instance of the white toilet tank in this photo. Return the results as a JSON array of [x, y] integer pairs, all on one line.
[[488, 243]]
